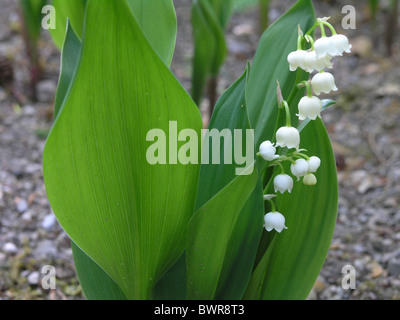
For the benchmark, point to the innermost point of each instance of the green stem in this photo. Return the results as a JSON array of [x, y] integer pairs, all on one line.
[[284, 158], [299, 42], [273, 208], [311, 40], [309, 91], [263, 14], [302, 155], [281, 167], [323, 34], [326, 23], [288, 120], [316, 24]]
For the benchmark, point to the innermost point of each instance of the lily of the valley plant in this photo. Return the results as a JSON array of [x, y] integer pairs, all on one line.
[[316, 58], [193, 230]]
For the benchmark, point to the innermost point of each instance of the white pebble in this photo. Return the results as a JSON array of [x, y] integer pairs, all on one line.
[[33, 278], [10, 247], [22, 206], [49, 222]]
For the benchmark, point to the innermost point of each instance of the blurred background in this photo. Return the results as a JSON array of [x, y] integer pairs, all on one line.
[[363, 128]]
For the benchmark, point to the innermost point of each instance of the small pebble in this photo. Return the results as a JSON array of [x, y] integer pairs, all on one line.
[[49, 222], [22, 206], [10, 247], [33, 278]]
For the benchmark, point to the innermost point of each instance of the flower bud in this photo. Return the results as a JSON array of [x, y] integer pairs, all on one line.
[[269, 196], [283, 183], [310, 180], [323, 82], [288, 137], [299, 168], [313, 164], [274, 220], [309, 107], [268, 151]]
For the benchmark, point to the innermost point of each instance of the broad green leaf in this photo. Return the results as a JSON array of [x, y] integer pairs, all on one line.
[[157, 18], [96, 284], [172, 286], [294, 258], [208, 235], [106, 195], [69, 61], [239, 228], [162, 35], [72, 10], [209, 19], [270, 64], [219, 164]]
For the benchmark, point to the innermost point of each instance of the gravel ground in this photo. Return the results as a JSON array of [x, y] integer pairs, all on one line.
[[362, 126]]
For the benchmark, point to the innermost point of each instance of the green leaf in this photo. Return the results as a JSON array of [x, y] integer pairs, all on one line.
[[232, 231], [69, 61], [172, 286], [209, 18], [230, 113], [294, 258], [208, 235], [109, 199], [161, 35], [270, 64], [72, 10], [95, 282]]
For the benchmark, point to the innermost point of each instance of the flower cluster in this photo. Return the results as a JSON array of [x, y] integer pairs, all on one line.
[[317, 58]]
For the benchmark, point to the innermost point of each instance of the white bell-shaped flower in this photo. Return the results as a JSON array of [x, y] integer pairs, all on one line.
[[310, 180], [309, 107], [288, 137], [332, 46], [312, 62], [296, 59], [283, 183], [299, 168], [274, 220], [313, 164], [268, 151], [341, 43], [323, 47], [323, 82]]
